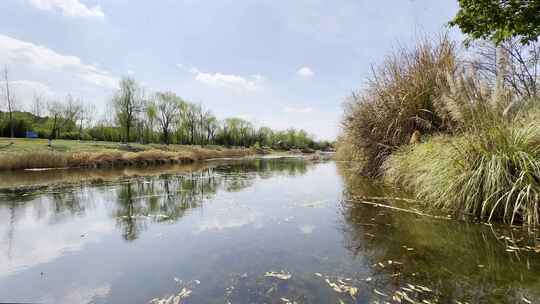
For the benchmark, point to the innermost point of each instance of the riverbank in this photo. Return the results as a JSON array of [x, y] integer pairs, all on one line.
[[433, 126], [36, 154]]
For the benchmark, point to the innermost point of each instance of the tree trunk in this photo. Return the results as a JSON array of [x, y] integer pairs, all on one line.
[[10, 110], [127, 132], [502, 66], [53, 131]]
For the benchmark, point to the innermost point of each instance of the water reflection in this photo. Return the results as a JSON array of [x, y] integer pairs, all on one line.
[[218, 229], [456, 260]]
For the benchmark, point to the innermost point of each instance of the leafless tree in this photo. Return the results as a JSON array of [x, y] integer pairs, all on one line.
[[38, 105], [85, 117], [62, 114], [517, 65], [9, 100]]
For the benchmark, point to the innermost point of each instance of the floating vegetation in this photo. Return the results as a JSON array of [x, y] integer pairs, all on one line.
[[412, 293], [285, 300], [340, 285], [408, 248], [185, 292], [282, 275]]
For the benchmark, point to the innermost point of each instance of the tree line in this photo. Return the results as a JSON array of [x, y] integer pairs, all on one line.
[[134, 116]]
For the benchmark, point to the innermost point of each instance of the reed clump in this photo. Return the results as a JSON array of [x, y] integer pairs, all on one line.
[[490, 167], [491, 173], [398, 100]]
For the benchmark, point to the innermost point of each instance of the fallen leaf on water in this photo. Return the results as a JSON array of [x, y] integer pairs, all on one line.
[[185, 293], [353, 291], [280, 275], [342, 287]]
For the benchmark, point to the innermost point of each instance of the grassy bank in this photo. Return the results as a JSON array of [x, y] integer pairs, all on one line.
[[438, 128], [35, 153], [491, 173]]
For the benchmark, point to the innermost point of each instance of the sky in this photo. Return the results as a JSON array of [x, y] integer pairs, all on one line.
[[277, 63]]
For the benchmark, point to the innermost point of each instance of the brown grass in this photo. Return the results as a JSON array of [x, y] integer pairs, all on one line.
[[400, 97], [49, 159]]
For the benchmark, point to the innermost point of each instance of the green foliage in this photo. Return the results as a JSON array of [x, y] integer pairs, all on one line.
[[499, 20], [127, 104], [165, 118]]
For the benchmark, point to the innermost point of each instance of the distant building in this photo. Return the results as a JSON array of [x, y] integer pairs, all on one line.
[[31, 134]]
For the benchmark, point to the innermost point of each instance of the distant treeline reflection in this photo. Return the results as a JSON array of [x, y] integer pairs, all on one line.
[[142, 200]]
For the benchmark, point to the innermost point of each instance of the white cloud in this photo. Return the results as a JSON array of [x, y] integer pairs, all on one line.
[[69, 8], [228, 81], [35, 87], [305, 72], [298, 110], [130, 72], [26, 90], [19, 53]]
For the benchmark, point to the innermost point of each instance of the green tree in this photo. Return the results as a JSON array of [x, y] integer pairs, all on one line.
[[499, 20], [150, 116], [127, 104], [168, 109]]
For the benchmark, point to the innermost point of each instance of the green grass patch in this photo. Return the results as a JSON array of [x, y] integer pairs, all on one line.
[[491, 173]]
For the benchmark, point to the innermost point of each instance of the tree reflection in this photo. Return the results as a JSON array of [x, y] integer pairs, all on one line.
[[141, 201]]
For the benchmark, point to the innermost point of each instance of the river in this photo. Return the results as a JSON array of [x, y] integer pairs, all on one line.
[[244, 231]]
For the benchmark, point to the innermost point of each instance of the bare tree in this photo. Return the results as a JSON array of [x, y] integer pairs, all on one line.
[[85, 117], [9, 100], [37, 106], [61, 115], [510, 65]]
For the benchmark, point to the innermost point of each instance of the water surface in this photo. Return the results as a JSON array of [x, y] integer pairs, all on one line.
[[246, 231]]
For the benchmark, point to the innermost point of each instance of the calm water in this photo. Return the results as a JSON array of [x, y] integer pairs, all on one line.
[[250, 231]]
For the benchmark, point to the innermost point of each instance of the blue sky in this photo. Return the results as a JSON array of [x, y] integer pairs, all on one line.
[[277, 63]]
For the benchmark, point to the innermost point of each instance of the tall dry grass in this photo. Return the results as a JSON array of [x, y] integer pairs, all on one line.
[[400, 97], [49, 159]]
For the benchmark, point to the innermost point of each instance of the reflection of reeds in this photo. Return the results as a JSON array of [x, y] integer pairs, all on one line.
[[490, 269], [47, 159]]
